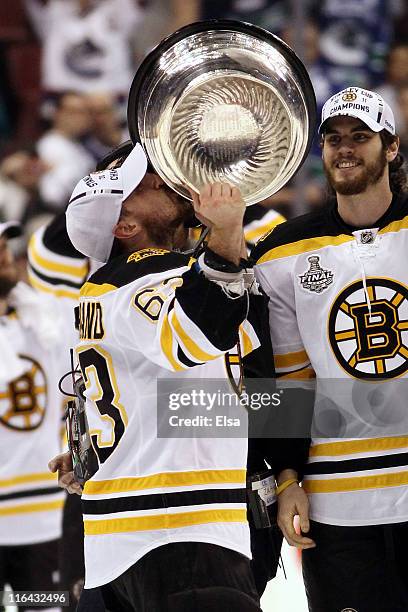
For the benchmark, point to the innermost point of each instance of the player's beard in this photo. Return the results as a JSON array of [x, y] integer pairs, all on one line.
[[369, 174], [160, 233], [7, 283]]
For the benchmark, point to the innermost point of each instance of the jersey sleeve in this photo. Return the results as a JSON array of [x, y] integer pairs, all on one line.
[[266, 425], [291, 362], [290, 357], [54, 266], [254, 230], [182, 320]]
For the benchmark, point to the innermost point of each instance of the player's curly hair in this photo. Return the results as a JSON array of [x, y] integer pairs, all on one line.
[[398, 173]]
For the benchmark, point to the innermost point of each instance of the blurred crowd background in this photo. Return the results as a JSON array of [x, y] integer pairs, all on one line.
[[66, 67]]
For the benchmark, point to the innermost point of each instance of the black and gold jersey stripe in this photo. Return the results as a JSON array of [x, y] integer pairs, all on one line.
[[31, 493], [164, 500], [357, 465]]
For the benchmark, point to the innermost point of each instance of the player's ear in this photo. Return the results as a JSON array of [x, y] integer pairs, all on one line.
[[126, 229], [392, 150], [321, 144]]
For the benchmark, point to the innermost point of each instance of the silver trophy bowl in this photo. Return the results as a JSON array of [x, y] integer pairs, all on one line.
[[223, 101]]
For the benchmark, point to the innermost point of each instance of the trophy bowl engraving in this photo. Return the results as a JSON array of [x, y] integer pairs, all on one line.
[[223, 101]]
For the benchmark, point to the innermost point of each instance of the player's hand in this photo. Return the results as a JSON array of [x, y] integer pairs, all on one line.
[[66, 479], [293, 502], [219, 206]]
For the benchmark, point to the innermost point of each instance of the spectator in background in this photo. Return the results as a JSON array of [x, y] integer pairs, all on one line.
[[400, 25], [8, 101], [402, 100], [396, 76], [4, 122], [166, 16], [13, 196], [311, 57], [312, 186], [354, 40], [162, 17], [270, 14], [62, 150], [106, 131], [20, 176], [86, 44]]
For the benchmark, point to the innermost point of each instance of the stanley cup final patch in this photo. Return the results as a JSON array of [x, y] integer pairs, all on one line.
[[316, 279]]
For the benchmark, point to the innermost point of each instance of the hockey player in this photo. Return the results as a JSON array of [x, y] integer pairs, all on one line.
[[337, 285], [58, 269], [30, 429], [165, 519]]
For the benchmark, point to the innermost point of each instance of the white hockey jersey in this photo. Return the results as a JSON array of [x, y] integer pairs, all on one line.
[[55, 268], [259, 221], [31, 410], [31, 406], [339, 310], [144, 318]]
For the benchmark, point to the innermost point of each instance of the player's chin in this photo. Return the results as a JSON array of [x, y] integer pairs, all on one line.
[[342, 177], [180, 240]]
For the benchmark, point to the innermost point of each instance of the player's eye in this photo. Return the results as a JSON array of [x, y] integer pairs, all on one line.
[[360, 136], [333, 139]]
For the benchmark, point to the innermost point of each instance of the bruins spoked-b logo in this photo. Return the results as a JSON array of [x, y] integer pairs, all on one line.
[[371, 345], [349, 96], [316, 279], [23, 401]]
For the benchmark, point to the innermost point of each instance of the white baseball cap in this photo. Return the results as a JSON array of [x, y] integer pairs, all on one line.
[[10, 229], [362, 104], [96, 202]]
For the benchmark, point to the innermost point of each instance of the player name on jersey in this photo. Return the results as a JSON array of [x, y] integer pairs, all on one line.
[[91, 321]]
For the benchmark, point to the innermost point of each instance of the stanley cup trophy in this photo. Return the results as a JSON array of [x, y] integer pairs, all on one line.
[[223, 101]]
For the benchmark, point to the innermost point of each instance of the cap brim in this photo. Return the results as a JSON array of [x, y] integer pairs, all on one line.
[[11, 229], [90, 222], [133, 170], [367, 120]]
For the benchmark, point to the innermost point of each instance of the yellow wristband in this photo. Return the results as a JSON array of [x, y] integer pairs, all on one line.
[[284, 485]]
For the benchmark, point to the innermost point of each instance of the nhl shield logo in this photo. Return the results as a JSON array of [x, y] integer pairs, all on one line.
[[316, 279], [367, 236]]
